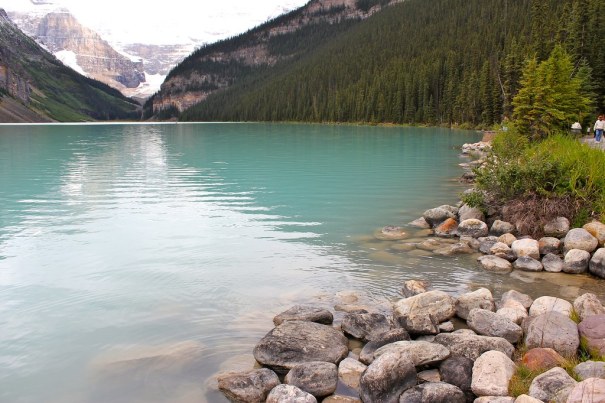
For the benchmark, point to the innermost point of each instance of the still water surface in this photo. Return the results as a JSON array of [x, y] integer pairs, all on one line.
[[137, 261]]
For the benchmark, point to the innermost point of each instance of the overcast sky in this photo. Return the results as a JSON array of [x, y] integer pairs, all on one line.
[[168, 21]]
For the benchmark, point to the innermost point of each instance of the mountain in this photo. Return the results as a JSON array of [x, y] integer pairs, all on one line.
[[35, 86], [218, 66]]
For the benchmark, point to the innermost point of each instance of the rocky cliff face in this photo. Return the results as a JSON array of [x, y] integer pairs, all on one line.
[[62, 32], [201, 76], [12, 80]]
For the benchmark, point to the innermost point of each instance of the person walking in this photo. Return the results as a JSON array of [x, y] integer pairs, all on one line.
[[599, 126]]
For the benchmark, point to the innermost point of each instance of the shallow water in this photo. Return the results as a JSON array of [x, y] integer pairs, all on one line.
[[137, 261]]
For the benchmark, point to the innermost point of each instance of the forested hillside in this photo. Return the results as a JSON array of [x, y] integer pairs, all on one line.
[[420, 61]]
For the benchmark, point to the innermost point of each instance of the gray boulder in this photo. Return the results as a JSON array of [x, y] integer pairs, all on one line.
[[481, 298], [421, 314], [438, 215], [420, 223], [557, 228], [590, 369], [365, 326], [588, 305], [317, 378], [501, 227], [349, 372], [579, 238], [367, 353], [597, 263], [526, 247], [473, 228], [495, 264], [550, 304], [414, 287], [507, 239], [486, 244], [554, 385], [305, 313], [289, 394], [420, 352], [295, 342], [458, 371], [503, 251], [251, 386], [433, 392], [387, 378], [391, 233], [526, 263], [552, 263], [591, 390], [492, 373], [515, 315], [592, 329], [471, 346], [466, 213], [489, 323], [553, 330], [576, 261], [549, 245], [513, 295]]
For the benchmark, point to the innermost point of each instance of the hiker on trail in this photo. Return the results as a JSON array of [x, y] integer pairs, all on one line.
[[599, 126]]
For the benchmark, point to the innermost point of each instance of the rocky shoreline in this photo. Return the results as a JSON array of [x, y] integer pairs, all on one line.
[[432, 347]]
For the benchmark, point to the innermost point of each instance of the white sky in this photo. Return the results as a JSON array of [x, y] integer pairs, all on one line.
[[168, 21]]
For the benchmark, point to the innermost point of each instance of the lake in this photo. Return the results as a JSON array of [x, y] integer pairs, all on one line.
[[137, 261]]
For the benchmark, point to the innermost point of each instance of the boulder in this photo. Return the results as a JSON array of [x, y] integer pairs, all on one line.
[[447, 229], [458, 371], [317, 378], [597, 230], [471, 346], [481, 298], [429, 375], [590, 369], [549, 245], [579, 238], [513, 295], [341, 399], [420, 352], [365, 326], [387, 378], [503, 250], [591, 390], [592, 329], [296, 342], [349, 372], [305, 313], [527, 399], [472, 243], [433, 392], [420, 223], [460, 248], [489, 323], [421, 314], [492, 373], [494, 399], [554, 385], [367, 353], [473, 228], [289, 393], [446, 327], [515, 315], [501, 227], [588, 305], [439, 214], [553, 330], [414, 287], [507, 239], [576, 261], [541, 359], [557, 228], [250, 386], [495, 264], [466, 212], [550, 304], [596, 266], [485, 244], [552, 263], [391, 233], [526, 247], [526, 263]]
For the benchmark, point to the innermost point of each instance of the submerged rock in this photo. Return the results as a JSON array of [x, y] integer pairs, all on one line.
[[495, 264], [305, 313], [414, 287], [391, 233]]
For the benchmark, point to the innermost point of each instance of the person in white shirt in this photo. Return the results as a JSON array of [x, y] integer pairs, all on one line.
[[599, 126]]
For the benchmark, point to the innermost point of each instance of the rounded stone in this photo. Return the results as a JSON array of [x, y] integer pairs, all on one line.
[[365, 326], [553, 330], [387, 377], [549, 245], [492, 373], [507, 239], [495, 264], [414, 287], [576, 261], [367, 353], [489, 323], [503, 251], [349, 372], [317, 378], [439, 214], [470, 345], [501, 227], [391, 233], [433, 392], [421, 314], [541, 359], [526, 247], [458, 371], [591, 390], [557, 228], [526, 263], [554, 385], [305, 313], [596, 266], [250, 386], [420, 352], [289, 393], [447, 229], [550, 304], [590, 369], [466, 212], [597, 230], [481, 298], [579, 238], [592, 329], [513, 295], [473, 228], [588, 305], [552, 263]]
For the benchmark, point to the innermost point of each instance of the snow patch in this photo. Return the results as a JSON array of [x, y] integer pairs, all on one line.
[[69, 58]]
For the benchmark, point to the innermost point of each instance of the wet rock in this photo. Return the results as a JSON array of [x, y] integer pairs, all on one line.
[[420, 223], [391, 233], [387, 378], [552, 263], [507, 239], [579, 238], [447, 229], [289, 393], [526, 263], [249, 386], [486, 244], [293, 343], [557, 228], [503, 251], [471, 346], [540, 359], [472, 243], [367, 353], [420, 352], [591, 390], [349, 372], [421, 314], [317, 378], [459, 248], [492, 373], [414, 287], [597, 263], [597, 230], [553, 330], [305, 313], [590, 369], [365, 326], [458, 371], [549, 245], [433, 392], [495, 264], [473, 228], [500, 228], [588, 305], [431, 375], [513, 295], [592, 329], [481, 298], [550, 304], [466, 213], [438, 215], [576, 261], [554, 385], [489, 323], [429, 245], [526, 247]]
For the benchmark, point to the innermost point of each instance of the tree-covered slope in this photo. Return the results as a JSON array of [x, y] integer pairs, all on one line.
[[36, 79], [421, 61]]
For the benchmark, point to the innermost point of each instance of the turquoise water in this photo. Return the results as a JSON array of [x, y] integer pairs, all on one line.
[[136, 261]]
